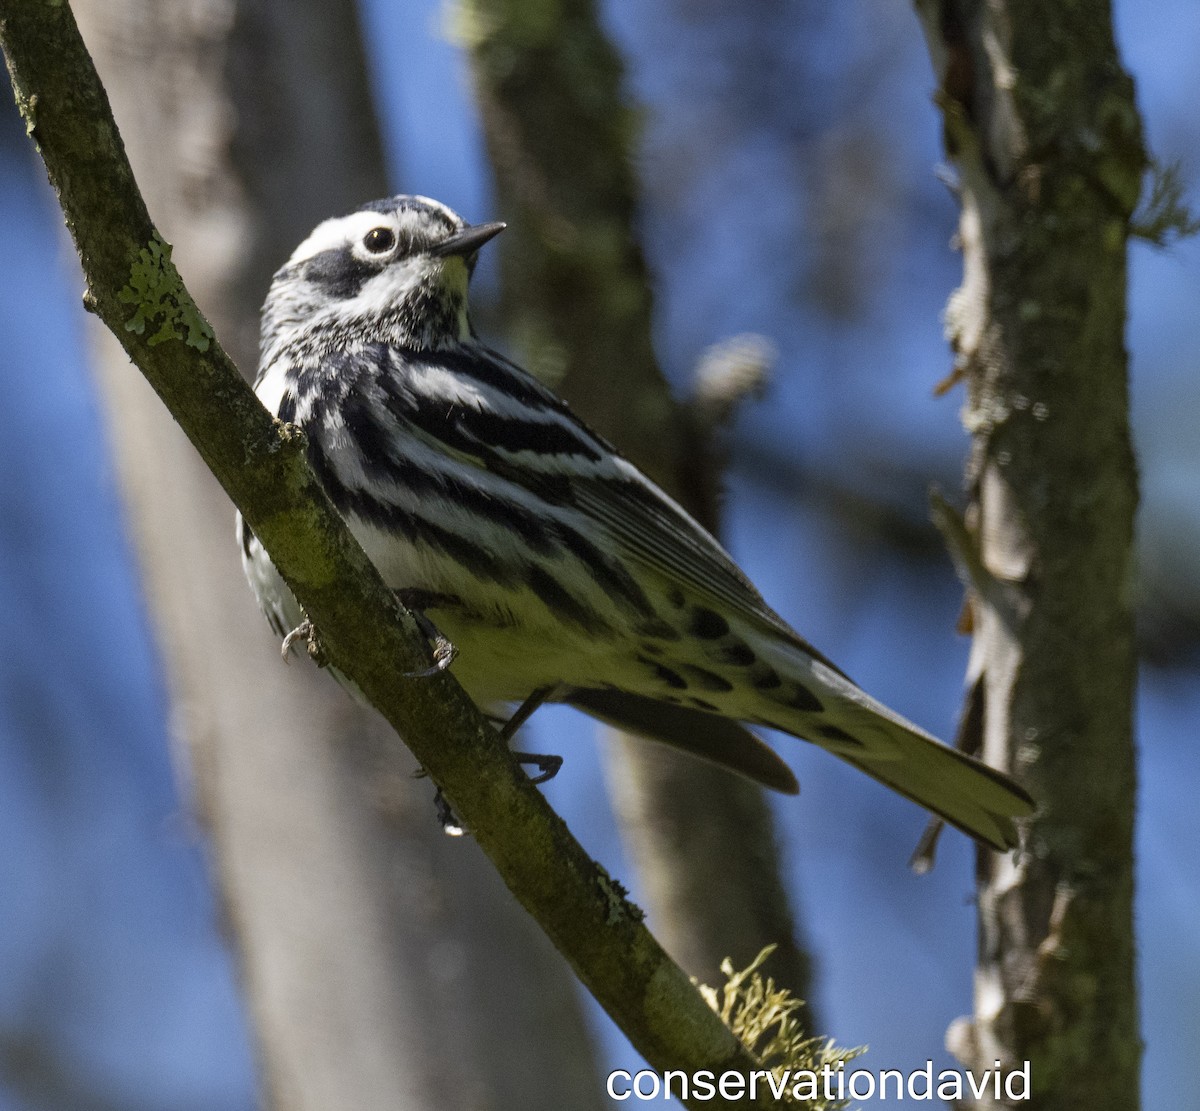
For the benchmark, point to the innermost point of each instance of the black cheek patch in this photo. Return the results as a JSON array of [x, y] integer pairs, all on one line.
[[338, 272]]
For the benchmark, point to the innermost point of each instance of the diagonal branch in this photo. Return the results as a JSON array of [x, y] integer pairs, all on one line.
[[134, 288]]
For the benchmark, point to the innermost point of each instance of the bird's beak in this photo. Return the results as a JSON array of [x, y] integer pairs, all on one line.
[[467, 241]]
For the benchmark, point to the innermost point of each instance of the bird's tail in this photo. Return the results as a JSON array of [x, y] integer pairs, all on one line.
[[828, 709]]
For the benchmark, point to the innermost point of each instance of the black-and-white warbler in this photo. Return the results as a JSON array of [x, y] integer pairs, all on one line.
[[550, 562]]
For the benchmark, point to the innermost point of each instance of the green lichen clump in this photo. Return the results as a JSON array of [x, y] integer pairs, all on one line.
[[766, 1021], [161, 301]]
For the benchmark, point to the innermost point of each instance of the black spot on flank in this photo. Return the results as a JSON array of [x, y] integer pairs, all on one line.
[[671, 678], [675, 597], [338, 273], [738, 653], [765, 679], [707, 624], [700, 704], [708, 680], [838, 734], [246, 537], [804, 699], [660, 630], [665, 674]]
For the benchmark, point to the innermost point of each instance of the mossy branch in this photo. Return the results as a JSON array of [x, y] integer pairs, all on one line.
[[261, 464]]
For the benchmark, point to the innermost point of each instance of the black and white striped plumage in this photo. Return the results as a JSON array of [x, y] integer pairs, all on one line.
[[546, 558]]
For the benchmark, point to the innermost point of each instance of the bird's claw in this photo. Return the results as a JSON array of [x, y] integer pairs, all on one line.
[[450, 824], [307, 632], [443, 651], [547, 764]]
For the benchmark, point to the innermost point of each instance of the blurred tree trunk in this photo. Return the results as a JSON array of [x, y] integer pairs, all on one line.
[[577, 304], [1041, 123], [384, 965]]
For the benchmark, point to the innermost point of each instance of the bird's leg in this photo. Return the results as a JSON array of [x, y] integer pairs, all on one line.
[[447, 819], [450, 824], [547, 765], [443, 651]]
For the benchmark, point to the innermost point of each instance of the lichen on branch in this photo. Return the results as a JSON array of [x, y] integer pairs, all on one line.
[[159, 297]]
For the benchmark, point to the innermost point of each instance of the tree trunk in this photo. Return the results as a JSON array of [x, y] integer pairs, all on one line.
[[1041, 124], [385, 966]]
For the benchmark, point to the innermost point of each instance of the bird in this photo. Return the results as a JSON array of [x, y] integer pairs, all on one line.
[[546, 565]]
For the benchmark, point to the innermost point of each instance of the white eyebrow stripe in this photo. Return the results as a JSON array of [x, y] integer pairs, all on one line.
[[339, 232]]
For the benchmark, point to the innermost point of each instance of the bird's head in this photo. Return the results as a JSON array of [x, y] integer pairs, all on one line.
[[396, 269]]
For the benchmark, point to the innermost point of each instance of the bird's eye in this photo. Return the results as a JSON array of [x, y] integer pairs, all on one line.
[[379, 240]]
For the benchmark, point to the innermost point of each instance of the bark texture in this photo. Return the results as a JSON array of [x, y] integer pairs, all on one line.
[[383, 964], [577, 303], [1041, 124]]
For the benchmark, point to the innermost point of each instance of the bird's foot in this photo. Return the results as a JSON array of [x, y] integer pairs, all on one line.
[[547, 765], [306, 631], [443, 651], [450, 824]]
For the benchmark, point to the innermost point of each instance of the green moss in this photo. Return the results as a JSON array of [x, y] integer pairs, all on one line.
[[766, 1020], [161, 302], [307, 564]]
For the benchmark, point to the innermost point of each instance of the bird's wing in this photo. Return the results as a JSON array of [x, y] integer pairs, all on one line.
[[652, 529], [484, 410]]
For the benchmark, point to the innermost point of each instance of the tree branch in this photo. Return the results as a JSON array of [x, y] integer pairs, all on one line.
[[260, 462]]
